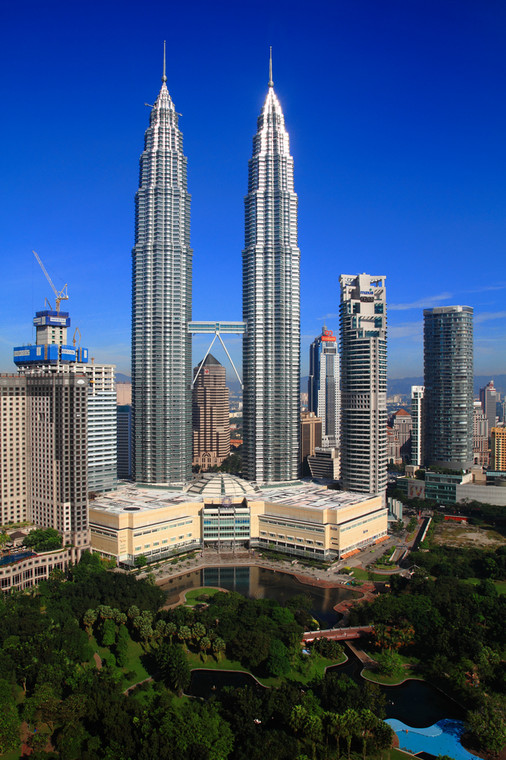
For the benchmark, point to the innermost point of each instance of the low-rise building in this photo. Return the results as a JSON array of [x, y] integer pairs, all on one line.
[[222, 510]]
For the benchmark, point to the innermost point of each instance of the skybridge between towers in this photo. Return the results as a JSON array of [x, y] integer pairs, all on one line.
[[217, 329]]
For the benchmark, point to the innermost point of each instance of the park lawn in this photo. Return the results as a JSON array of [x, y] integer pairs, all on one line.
[[133, 664], [13, 754], [364, 575], [316, 668], [500, 585], [375, 677], [192, 596], [398, 754]]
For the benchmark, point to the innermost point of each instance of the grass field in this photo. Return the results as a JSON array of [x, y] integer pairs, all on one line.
[[192, 596], [500, 585], [461, 534], [365, 575]]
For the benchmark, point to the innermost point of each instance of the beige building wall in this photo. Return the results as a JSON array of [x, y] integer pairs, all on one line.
[[319, 532], [13, 442]]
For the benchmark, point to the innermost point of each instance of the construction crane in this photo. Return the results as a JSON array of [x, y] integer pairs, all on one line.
[[60, 295]]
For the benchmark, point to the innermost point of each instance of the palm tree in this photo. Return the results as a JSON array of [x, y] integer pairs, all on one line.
[[170, 629], [219, 647], [204, 645], [351, 727], [333, 723], [368, 720]]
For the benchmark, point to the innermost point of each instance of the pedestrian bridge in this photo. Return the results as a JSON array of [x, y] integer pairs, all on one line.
[[337, 634]]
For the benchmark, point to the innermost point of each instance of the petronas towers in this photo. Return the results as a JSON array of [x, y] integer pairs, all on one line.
[[162, 279]]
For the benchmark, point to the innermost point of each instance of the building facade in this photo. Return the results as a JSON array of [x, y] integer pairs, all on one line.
[[310, 438], [271, 305], [304, 520], [489, 398], [498, 449], [417, 392], [363, 383], [210, 414], [480, 436], [13, 449], [448, 400], [324, 387], [124, 441], [161, 304]]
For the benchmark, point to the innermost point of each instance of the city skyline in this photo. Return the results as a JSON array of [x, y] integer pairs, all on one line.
[[417, 190]]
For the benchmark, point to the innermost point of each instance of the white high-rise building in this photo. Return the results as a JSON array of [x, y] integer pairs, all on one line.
[[363, 315], [161, 308], [271, 305], [324, 386], [417, 392]]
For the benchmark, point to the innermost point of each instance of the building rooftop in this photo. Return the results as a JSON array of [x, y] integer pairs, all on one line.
[[132, 498]]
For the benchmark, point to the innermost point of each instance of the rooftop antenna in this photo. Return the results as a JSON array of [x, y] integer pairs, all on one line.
[[271, 83], [164, 76]]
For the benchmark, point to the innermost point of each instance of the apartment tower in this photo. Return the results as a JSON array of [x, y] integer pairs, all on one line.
[[448, 400], [161, 304], [271, 305], [363, 321], [417, 392]]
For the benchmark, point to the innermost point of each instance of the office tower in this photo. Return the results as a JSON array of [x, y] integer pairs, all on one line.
[[161, 307], [271, 305], [324, 388], [102, 427], [448, 400], [13, 449], [124, 441], [363, 383], [399, 430], [498, 449], [310, 438], [489, 399], [52, 355], [57, 454], [210, 414], [480, 436], [417, 392]]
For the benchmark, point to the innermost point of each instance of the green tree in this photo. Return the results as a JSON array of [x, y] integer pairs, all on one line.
[[204, 646], [141, 561], [108, 633], [488, 725], [219, 647], [43, 540], [351, 727], [89, 620], [9, 719], [173, 667], [122, 641]]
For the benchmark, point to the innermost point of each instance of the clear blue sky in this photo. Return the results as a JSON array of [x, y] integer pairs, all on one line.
[[397, 117]]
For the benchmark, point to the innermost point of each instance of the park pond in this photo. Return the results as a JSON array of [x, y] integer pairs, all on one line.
[[262, 583], [420, 714]]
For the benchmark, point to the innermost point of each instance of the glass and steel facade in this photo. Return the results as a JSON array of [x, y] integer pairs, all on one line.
[[448, 400], [271, 305], [324, 386], [363, 383], [161, 310]]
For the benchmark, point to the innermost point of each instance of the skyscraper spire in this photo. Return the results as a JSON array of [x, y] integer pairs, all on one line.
[[271, 83], [161, 308], [271, 304], [164, 76]]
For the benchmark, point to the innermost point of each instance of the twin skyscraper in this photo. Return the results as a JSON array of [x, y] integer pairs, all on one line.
[[162, 304]]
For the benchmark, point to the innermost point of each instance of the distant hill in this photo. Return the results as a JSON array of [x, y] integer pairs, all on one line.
[[399, 385], [403, 385]]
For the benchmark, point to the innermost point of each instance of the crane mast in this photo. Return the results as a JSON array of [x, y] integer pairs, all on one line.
[[60, 295]]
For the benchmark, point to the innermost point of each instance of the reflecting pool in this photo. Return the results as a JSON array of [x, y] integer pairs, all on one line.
[[261, 583]]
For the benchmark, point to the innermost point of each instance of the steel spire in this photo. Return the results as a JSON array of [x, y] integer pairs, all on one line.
[[164, 76], [271, 83]]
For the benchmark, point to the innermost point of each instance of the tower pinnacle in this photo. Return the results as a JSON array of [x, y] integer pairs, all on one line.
[[164, 76], [271, 83]]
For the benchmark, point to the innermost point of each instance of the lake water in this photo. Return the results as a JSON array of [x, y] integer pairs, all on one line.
[[261, 583]]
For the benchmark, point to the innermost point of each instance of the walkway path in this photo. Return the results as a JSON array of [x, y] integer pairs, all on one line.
[[337, 634]]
